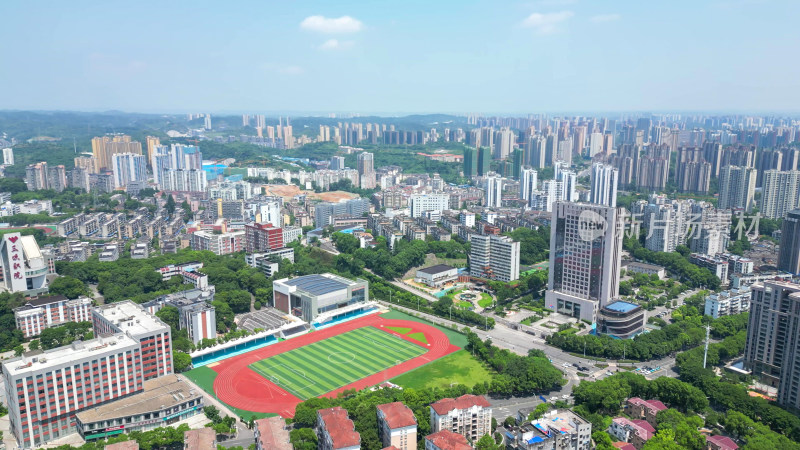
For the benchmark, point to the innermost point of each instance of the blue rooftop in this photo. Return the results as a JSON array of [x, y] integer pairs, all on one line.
[[621, 306], [316, 284]]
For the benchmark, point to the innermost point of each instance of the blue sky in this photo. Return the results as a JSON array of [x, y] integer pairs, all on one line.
[[401, 56]]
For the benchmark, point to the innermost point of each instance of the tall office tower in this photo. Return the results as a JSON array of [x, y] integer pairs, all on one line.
[[8, 156], [152, 143], [337, 162], [772, 349], [768, 160], [780, 193], [585, 258], [493, 190], [484, 161], [694, 177], [712, 152], [528, 183], [207, 122], [36, 176], [595, 144], [604, 185], [737, 186], [503, 143], [366, 170], [537, 151], [789, 256], [87, 163], [518, 162], [494, 257], [551, 150], [128, 168], [578, 140], [470, 162]]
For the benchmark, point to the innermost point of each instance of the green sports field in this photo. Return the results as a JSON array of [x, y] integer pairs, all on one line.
[[327, 365]]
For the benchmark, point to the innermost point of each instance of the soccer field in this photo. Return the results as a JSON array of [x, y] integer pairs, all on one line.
[[324, 366]]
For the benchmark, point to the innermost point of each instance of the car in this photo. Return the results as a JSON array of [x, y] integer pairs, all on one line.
[[565, 396], [553, 399]]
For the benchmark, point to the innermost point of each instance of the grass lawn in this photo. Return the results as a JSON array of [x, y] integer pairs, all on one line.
[[485, 301], [456, 338], [463, 304], [526, 321], [401, 330], [419, 336], [459, 368], [324, 366], [204, 377]]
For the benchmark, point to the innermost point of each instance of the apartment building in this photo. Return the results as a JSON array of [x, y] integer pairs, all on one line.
[[559, 429], [644, 409], [335, 431], [729, 302], [397, 426], [272, 434], [446, 440], [218, 243], [468, 415], [494, 257]]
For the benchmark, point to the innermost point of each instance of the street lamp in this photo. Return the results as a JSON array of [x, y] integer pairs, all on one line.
[[451, 313]]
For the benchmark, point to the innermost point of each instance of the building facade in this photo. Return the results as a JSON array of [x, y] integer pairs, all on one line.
[[311, 296], [44, 312], [397, 426], [468, 415], [494, 257]]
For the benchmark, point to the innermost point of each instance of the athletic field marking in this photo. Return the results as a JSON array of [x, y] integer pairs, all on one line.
[[349, 356], [279, 381]]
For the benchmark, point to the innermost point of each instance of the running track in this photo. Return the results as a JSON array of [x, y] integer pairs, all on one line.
[[240, 387]]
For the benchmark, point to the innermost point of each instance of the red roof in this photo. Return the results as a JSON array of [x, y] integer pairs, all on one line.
[[723, 442], [447, 440], [339, 427], [446, 405], [623, 446], [391, 447], [650, 404], [642, 429], [397, 415], [272, 433]]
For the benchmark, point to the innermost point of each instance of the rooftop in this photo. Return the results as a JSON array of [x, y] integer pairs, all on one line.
[[439, 268], [643, 429], [318, 284], [643, 265], [339, 427], [46, 300], [398, 415], [620, 306], [447, 440], [446, 405], [159, 394], [124, 445], [562, 421], [200, 439], [721, 441], [131, 318], [34, 362], [272, 433]]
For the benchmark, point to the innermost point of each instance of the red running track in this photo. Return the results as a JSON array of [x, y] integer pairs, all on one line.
[[239, 386]]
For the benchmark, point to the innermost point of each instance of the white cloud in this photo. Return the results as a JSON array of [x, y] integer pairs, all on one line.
[[335, 44], [546, 23], [600, 18], [332, 25], [291, 70]]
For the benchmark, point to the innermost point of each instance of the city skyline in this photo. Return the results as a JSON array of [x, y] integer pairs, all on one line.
[[549, 55]]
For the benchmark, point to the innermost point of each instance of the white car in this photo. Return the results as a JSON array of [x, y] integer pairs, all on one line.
[[565, 396], [553, 399]]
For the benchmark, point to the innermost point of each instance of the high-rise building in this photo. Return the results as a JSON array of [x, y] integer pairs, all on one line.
[[518, 162], [484, 161], [737, 187], [493, 190], [604, 185], [494, 257], [420, 203], [468, 415], [537, 150], [585, 257], [789, 250], [103, 148], [261, 237], [152, 143], [128, 168], [8, 156], [337, 163], [595, 144], [179, 168], [503, 143], [528, 185], [325, 212], [772, 349], [780, 193], [36, 176], [366, 170], [87, 163], [470, 162], [207, 122]]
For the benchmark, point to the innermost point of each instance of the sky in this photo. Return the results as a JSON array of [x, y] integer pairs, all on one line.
[[397, 57]]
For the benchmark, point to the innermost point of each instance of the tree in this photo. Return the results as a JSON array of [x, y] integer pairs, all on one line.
[[303, 439], [170, 205], [170, 316], [182, 361], [69, 287], [238, 300], [19, 350], [486, 442]]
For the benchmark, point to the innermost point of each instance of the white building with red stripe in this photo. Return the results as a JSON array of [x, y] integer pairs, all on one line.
[[44, 312], [44, 390]]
